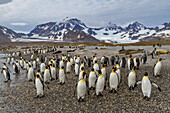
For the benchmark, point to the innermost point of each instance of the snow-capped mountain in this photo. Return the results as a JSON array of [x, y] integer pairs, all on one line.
[[133, 32], [7, 34]]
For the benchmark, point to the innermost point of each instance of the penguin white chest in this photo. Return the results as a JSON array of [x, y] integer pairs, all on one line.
[[61, 76], [100, 84], [46, 75], [114, 80], [146, 87], [76, 69], [92, 79], [157, 68], [5, 75], [81, 89], [39, 86], [131, 79]]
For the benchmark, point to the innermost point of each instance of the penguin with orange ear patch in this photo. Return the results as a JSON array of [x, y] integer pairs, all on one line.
[[82, 88], [132, 79], [113, 80], [146, 84], [62, 75], [92, 79], [100, 85]]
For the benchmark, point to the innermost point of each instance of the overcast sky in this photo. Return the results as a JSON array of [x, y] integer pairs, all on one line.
[[24, 15]]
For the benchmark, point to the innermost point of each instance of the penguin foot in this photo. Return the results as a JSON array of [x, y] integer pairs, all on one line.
[[37, 96], [110, 91], [130, 88], [47, 82], [42, 96], [148, 99], [6, 81], [93, 88], [83, 100], [30, 80], [52, 79], [61, 83], [100, 94], [135, 85], [144, 97], [115, 91], [78, 100], [133, 88]]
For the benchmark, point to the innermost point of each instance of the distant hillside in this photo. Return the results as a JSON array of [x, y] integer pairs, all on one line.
[[7, 34], [111, 33]]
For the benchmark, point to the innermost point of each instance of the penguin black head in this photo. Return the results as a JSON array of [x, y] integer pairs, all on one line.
[[130, 56], [46, 67], [146, 74], [92, 69], [84, 73], [134, 68], [82, 68], [117, 62], [38, 70], [37, 75], [96, 61], [160, 59], [62, 67], [100, 72], [30, 66], [73, 64], [117, 56], [16, 61], [114, 68]]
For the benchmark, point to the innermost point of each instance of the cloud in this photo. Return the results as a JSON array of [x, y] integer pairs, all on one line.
[[5, 1], [19, 24], [92, 12]]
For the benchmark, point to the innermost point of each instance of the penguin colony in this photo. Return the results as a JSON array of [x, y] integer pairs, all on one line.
[[41, 70]]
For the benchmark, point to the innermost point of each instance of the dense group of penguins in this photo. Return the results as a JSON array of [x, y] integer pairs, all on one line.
[[42, 70]]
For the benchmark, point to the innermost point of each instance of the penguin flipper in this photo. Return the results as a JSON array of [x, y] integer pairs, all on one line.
[[139, 82], [156, 86], [75, 89]]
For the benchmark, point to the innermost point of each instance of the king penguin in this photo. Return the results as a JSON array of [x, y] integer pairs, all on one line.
[[68, 66], [30, 73], [76, 69], [113, 80], [132, 79], [62, 75], [6, 74], [144, 58], [42, 67], [39, 84], [147, 86], [15, 68], [47, 75], [92, 79], [157, 67], [82, 89], [122, 62], [53, 72], [100, 84]]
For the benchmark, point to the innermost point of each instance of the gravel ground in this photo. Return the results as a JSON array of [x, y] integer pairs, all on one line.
[[60, 98]]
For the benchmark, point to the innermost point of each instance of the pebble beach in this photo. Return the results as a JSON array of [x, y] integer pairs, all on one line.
[[61, 98]]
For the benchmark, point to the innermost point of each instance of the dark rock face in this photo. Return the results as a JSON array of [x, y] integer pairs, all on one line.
[[7, 34], [79, 36]]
